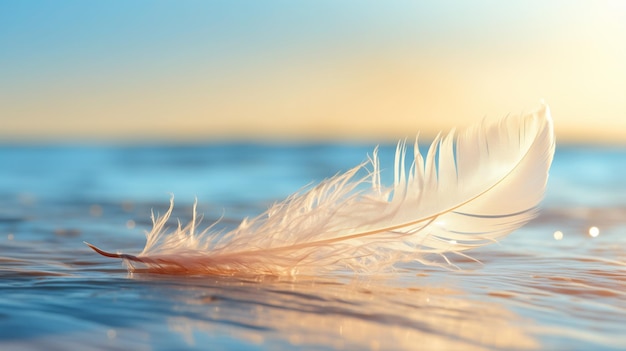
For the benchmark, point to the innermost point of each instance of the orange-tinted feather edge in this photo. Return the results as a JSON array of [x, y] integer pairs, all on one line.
[[114, 255]]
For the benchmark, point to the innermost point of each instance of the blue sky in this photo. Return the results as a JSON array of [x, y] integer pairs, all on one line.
[[203, 70]]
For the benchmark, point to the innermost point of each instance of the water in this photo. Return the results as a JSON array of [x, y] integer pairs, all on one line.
[[530, 291]]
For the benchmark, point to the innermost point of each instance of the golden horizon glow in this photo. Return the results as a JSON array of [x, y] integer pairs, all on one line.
[[399, 70]]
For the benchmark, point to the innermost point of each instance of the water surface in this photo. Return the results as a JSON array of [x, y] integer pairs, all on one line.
[[530, 291]]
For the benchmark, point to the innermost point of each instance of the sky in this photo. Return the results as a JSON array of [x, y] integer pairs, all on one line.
[[135, 71]]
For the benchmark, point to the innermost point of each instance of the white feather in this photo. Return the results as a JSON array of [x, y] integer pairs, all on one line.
[[470, 190]]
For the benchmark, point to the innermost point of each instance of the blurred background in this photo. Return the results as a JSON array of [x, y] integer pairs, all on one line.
[[203, 71]]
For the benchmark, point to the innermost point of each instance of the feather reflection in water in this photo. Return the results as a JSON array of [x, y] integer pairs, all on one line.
[[354, 315]]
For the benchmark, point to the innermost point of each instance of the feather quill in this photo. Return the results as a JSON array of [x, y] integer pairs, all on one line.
[[469, 190]]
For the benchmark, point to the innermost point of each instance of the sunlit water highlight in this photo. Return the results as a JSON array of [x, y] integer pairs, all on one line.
[[558, 283]]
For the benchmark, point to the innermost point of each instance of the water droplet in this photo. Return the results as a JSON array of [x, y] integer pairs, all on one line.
[[95, 210], [127, 206]]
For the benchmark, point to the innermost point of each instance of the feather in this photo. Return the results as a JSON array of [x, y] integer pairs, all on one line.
[[469, 190]]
